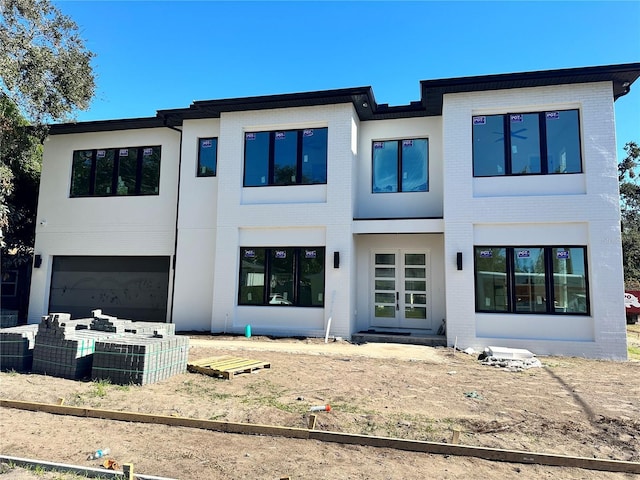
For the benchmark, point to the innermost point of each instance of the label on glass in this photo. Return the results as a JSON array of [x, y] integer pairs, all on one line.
[[378, 144], [524, 254], [309, 254], [280, 254], [407, 143], [249, 254], [552, 115], [124, 152], [308, 132], [250, 136], [147, 151], [480, 120], [101, 153], [486, 254], [562, 255], [516, 118], [280, 135], [206, 143]]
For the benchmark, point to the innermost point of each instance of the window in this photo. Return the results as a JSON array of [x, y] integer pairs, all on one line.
[[545, 280], [526, 143], [116, 171], [207, 157], [282, 276], [286, 157], [401, 166], [9, 283]]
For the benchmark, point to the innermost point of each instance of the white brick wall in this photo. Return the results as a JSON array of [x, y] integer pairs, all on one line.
[[271, 218], [591, 201]]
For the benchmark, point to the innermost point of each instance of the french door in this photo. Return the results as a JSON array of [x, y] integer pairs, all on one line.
[[401, 290]]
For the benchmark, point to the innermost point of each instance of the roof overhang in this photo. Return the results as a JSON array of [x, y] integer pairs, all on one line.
[[622, 77], [362, 98]]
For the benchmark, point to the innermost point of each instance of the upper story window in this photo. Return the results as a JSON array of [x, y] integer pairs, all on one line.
[[526, 143], [282, 276], [549, 280], [116, 171], [285, 157], [401, 166], [207, 157]]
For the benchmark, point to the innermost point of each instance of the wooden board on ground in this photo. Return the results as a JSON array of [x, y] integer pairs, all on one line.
[[225, 366]]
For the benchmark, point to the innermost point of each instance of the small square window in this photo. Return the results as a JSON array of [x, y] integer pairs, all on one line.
[[207, 157]]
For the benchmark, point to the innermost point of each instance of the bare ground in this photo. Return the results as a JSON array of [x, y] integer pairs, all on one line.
[[571, 406]]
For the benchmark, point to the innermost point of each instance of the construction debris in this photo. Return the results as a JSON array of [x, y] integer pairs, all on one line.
[[511, 359]]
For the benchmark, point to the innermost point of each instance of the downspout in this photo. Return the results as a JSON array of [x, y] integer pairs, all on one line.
[[175, 243]]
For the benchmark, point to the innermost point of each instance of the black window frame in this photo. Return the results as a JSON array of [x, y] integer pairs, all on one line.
[[139, 187], [271, 180], [399, 165], [199, 166], [296, 278], [549, 280], [542, 130]]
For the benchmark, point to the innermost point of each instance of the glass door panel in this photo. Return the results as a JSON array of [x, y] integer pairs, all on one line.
[[415, 287], [385, 294]]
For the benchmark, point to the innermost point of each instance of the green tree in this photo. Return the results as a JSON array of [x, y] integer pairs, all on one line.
[[630, 213], [45, 76]]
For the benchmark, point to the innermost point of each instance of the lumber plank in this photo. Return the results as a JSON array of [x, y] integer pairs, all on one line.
[[512, 456]]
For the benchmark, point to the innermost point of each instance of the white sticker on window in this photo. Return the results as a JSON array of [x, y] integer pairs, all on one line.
[[479, 120], [516, 118], [378, 144], [562, 255], [147, 151], [309, 254], [524, 254], [249, 254], [206, 143], [101, 153], [407, 143], [486, 254], [280, 135], [280, 254], [124, 152], [308, 132], [250, 136], [553, 115]]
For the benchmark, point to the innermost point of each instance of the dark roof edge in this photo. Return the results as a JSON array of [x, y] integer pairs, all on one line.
[[107, 125], [539, 74]]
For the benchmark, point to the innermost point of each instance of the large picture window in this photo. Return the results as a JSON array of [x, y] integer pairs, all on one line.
[[116, 171], [401, 166], [525, 279], [289, 276], [538, 143], [285, 157]]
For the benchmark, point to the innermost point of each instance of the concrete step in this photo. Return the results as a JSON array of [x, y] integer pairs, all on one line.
[[412, 339]]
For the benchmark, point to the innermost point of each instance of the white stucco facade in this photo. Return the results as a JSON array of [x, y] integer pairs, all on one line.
[[200, 224]]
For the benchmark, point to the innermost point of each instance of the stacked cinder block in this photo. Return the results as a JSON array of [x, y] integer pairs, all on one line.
[[16, 347], [140, 359], [64, 347]]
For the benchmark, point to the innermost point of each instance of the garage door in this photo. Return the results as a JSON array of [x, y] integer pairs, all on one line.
[[132, 288]]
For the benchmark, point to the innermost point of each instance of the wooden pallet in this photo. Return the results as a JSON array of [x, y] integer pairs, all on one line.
[[226, 366]]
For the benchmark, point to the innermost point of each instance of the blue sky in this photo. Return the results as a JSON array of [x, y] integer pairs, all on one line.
[[153, 55]]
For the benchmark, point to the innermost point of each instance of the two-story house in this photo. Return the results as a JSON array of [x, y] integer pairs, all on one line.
[[490, 205]]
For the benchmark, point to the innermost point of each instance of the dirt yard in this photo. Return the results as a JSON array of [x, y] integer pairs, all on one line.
[[571, 406]]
